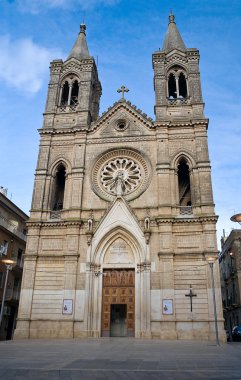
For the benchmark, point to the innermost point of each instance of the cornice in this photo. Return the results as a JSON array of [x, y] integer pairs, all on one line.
[[118, 139], [179, 220], [189, 123], [61, 131], [54, 224]]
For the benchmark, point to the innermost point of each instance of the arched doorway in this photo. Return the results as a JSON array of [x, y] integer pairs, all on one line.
[[118, 303], [118, 293], [118, 283]]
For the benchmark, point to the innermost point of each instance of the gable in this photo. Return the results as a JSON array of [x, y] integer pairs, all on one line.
[[119, 219], [122, 119]]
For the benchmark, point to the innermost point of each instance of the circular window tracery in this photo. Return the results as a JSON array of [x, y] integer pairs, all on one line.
[[121, 175], [120, 172], [121, 125]]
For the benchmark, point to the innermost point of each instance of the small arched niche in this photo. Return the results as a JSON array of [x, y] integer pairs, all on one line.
[[58, 188]]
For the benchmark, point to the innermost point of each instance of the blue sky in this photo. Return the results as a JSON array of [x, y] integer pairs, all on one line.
[[123, 35]]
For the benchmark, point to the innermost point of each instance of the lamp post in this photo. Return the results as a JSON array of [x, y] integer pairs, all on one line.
[[236, 218], [211, 260], [9, 266]]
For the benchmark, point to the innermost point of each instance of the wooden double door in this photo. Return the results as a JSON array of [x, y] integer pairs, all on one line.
[[118, 303]]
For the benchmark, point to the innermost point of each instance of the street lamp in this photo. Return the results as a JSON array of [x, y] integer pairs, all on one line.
[[9, 265], [211, 260], [236, 218]]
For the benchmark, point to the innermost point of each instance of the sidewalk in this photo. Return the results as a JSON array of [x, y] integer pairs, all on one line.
[[118, 358]]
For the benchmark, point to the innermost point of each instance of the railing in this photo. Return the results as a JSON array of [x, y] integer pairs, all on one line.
[[55, 214], [67, 108], [11, 227], [178, 101], [185, 210]]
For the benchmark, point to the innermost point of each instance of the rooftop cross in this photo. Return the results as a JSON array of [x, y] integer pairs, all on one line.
[[190, 294], [123, 89]]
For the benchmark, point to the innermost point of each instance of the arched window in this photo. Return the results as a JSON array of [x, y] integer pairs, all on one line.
[[65, 94], [172, 88], [182, 84], [177, 83], [59, 186], [184, 184], [74, 93]]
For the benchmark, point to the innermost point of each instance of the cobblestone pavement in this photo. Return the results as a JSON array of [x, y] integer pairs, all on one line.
[[118, 358]]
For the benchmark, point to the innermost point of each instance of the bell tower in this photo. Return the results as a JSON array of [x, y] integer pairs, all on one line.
[[74, 88], [177, 79]]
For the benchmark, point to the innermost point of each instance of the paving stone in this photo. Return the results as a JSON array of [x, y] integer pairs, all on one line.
[[99, 359]]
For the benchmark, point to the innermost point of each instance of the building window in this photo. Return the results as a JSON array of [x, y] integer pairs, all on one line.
[[182, 86], [172, 88], [65, 94], [177, 84], [19, 257], [69, 92], [59, 187], [184, 184], [74, 93]]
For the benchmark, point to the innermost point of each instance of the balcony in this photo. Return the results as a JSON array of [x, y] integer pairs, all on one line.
[[5, 223]]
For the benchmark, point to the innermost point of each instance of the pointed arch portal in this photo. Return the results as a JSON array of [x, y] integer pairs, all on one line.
[[119, 301]]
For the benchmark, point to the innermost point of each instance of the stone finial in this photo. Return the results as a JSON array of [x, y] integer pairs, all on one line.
[[171, 18], [82, 28]]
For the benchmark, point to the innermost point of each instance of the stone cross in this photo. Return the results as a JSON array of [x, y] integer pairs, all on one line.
[[123, 89], [190, 294]]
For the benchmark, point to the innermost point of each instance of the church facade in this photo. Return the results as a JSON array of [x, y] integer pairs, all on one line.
[[122, 219]]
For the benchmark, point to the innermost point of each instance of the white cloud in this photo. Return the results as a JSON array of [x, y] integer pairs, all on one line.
[[23, 64], [36, 6]]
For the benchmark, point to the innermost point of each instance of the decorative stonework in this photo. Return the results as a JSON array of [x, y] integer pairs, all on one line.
[[120, 175], [120, 172], [121, 125]]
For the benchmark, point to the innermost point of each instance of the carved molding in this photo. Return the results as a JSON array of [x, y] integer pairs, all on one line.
[[124, 157]]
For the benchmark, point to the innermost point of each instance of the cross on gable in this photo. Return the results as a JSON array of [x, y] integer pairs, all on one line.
[[190, 294], [123, 89]]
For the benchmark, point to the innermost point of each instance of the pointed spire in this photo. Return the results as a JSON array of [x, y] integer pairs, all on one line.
[[173, 39], [80, 48]]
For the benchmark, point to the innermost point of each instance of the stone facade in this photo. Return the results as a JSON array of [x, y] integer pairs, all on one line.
[[122, 194], [12, 246], [230, 273]]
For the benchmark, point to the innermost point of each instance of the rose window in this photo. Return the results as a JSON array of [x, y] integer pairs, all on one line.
[[120, 176], [120, 172]]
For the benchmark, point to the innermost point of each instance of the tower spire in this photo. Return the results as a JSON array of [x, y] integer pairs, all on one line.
[[80, 48], [173, 39]]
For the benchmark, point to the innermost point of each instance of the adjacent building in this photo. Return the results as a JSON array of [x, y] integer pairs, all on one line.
[[12, 242], [230, 273], [122, 218]]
